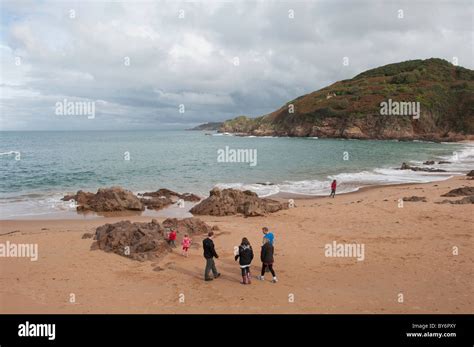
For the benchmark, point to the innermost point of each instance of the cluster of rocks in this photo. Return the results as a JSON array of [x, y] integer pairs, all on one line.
[[466, 192], [172, 195], [165, 197], [415, 198], [406, 166], [118, 199], [231, 202], [432, 162], [470, 175], [143, 241], [106, 200]]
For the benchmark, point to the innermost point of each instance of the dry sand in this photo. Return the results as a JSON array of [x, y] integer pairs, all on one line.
[[408, 250]]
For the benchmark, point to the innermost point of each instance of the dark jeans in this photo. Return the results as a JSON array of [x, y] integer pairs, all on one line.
[[270, 267], [210, 266], [333, 193]]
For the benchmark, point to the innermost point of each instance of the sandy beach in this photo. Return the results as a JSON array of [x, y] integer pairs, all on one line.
[[408, 251]]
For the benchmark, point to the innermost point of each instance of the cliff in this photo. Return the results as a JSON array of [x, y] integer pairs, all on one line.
[[357, 108]]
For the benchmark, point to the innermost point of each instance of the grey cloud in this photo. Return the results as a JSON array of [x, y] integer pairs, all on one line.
[[189, 61]]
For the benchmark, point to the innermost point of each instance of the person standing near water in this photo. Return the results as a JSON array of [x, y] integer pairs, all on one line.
[[333, 189], [209, 255]]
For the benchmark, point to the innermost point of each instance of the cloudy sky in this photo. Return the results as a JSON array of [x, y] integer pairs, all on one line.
[[138, 61]]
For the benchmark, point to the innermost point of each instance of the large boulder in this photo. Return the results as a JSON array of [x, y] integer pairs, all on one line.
[[232, 201], [144, 241], [106, 200], [463, 191], [139, 241], [470, 174]]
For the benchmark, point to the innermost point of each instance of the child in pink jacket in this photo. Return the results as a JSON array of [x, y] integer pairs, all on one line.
[[186, 243]]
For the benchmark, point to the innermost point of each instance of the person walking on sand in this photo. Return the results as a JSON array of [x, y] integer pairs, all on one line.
[[245, 257], [209, 255], [333, 189], [266, 256], [268, 235], [186, 243]]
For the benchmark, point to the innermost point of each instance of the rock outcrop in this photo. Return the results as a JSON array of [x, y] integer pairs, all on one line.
[[188, 226], [156, 203], [139, 241], [231, 201], [106, 200], [406, 166], [172, 195], [143, 241], [463, 201], [463, 191], [118, 199], [415, 198]]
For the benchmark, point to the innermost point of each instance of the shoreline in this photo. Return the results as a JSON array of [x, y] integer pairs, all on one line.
[[466, 138], [59, 210], [280, 196], [161, 214]]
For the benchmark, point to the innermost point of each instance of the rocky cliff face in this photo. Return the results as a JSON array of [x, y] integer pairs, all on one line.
[[357, 108]]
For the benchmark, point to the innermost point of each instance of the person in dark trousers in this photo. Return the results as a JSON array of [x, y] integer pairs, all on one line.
[[209, 255], [333, 189], [271, 238], [245, 257], [266, 256]]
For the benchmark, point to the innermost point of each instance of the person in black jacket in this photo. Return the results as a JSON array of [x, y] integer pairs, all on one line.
[[209, 255], [266, 256], [245, 257]]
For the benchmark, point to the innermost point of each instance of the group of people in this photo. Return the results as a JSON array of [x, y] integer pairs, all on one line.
[[244, 255]]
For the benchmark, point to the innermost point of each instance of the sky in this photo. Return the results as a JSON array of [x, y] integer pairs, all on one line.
[[172, 64]]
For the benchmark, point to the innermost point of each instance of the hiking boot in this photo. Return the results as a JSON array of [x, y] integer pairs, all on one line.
[[208, 279], [274, 280], [261, 278], [218, 275], [249, 281]]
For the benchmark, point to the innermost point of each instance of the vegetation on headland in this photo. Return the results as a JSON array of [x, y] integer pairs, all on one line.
[[351, 108]]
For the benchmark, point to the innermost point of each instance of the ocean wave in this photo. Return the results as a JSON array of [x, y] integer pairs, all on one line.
[[461, 161]]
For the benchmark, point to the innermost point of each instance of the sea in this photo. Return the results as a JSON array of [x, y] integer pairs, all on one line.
[[38, 168]]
